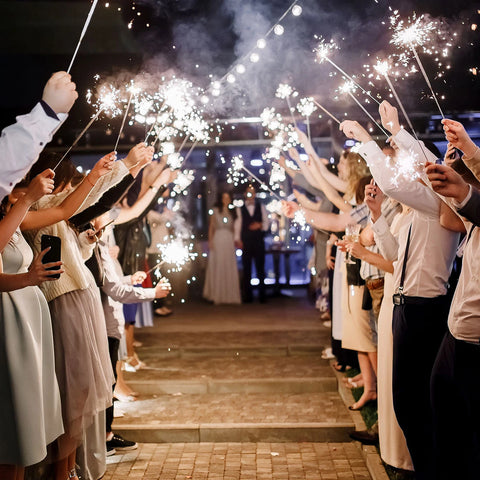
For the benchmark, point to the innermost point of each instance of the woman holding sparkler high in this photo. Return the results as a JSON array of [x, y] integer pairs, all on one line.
[[221, 281]]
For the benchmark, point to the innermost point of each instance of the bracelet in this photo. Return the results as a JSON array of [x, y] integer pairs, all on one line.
[[155, 189], [89, 181]]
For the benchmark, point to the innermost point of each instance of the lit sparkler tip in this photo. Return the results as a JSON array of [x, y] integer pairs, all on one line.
[[306, 106], [324, 49], [347, 87], [416, 31], [382, 67], [284, 91]]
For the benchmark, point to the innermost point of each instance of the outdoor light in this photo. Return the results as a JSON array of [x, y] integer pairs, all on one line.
[[240, 68], [254, 57], [297, 10], [262, 43], [278, 30]]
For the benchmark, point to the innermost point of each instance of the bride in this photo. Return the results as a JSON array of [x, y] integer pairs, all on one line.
[[221, 281]]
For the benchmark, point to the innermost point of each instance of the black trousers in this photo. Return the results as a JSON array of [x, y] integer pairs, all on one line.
[[418, 329], [455, 390], [113, 344], [253, 251]]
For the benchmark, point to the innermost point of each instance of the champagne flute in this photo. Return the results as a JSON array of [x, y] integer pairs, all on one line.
[[352, 234]]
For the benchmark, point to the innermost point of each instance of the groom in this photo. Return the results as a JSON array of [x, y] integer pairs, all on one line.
[[250, 228]]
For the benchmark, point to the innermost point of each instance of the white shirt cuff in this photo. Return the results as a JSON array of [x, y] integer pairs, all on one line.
[[460, 205]]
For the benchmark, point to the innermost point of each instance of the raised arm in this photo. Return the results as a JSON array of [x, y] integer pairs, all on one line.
[[320, 220], [147, 201], [36, 219], [41, 185], [22, 142], [405, 190], [336, 182], [317, 180], [111, 196]]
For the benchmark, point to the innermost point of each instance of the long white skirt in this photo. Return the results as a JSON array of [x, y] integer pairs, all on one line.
[[221, 281]]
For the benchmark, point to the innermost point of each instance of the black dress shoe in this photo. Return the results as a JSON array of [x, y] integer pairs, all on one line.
[[364, 436]]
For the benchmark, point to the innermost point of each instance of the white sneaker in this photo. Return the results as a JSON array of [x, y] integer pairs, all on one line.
[[327, 354]]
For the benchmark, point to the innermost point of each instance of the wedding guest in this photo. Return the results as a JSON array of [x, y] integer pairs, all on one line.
[[30, 410], [116, 290]]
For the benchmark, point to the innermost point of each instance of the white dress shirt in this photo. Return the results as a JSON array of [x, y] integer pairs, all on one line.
[[432, 247], [21, 144]]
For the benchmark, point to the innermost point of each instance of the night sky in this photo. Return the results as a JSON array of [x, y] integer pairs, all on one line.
[[197, 39]]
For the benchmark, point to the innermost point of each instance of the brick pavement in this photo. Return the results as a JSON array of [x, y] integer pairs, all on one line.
[[240, 461]]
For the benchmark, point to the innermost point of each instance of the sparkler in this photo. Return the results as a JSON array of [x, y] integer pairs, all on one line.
[[106, 103], [238, 165], [78, 138], [85, 27], [382, 68], [323, 51], [333, 117], [284, 92], [306, 107], [132, 91], [417, 33], [348, 87]]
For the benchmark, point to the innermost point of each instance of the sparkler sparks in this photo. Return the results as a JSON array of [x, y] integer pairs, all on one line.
[[176, 253], [306, 106], [418, 32]]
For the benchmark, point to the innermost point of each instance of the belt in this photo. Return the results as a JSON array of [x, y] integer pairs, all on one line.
[[374, 284], [418, 300]]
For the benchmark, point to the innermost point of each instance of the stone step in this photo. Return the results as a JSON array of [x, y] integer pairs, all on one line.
[[239, 432], [235, 368], [224, 386], [236, 417], [234, 350]]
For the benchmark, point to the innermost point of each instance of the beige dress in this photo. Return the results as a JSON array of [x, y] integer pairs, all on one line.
[[358, 326]]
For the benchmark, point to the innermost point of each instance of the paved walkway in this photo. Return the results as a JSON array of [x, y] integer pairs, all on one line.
[[240, 461], [237, 393]]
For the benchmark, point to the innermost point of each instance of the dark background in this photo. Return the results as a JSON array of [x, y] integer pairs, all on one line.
[[198, 38]]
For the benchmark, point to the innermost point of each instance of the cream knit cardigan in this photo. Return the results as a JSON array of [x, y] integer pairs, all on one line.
[[75, 249]]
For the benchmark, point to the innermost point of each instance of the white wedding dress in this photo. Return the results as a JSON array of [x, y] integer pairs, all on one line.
[[222, 284]]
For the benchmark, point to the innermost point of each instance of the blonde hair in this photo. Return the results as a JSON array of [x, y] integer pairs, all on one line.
[[357, 170]]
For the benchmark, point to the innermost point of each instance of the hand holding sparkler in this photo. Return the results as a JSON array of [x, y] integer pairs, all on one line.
[[60, 92], [458, 137], [289, 208], [101, 168], [138, 277], [163, 288], [139, 154], [451, 156], [374, 198], [352, 129], [389, 117], [447, 182]]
